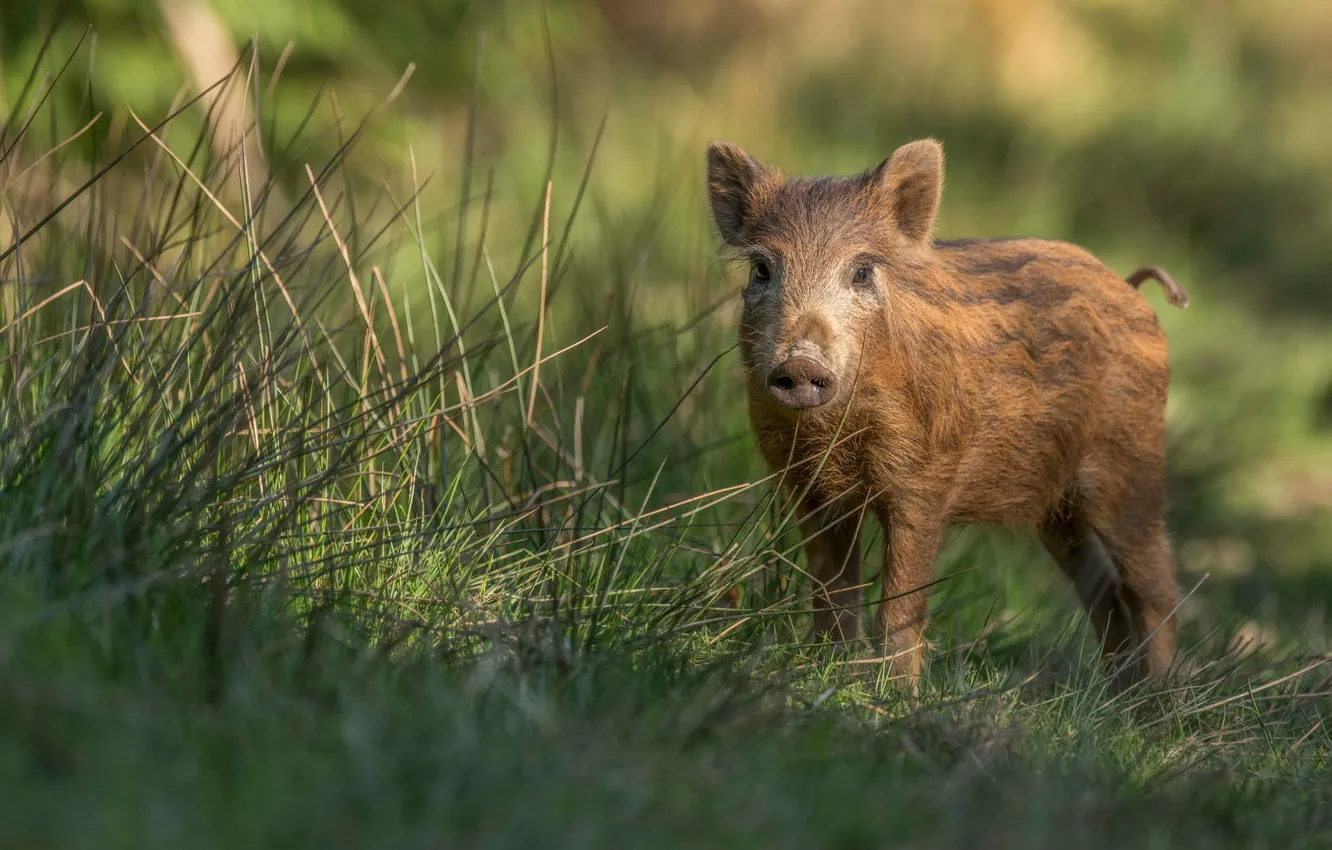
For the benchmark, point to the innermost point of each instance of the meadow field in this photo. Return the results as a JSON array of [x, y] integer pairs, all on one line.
[[374, 461]]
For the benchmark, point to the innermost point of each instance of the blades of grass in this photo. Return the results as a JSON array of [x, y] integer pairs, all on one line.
[[425, 260], [46, 94], [347, 189], [469, 150], [541, 310], [241, 229], [39, 160], [351, 271], [504, 317], [609, 583], [33, 71], [393, 320], [480, 245], [562, 258], [102, 172]]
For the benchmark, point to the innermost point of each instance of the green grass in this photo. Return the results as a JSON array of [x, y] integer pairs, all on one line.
[[298, 551]]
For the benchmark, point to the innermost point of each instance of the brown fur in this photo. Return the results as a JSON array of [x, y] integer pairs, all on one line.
[[1014, 381]]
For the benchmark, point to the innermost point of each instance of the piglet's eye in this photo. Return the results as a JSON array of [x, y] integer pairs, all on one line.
[[863, 276], [760, 271]]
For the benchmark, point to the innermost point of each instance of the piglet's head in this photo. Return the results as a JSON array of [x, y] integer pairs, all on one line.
[[821, 256]]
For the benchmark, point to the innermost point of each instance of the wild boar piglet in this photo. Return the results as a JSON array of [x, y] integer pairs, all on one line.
[[926, 382]]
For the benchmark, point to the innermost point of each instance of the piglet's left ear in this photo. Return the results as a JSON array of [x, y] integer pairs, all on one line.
[[911, 182]]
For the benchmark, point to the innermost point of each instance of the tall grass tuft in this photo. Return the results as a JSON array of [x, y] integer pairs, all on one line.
[[221, 395]]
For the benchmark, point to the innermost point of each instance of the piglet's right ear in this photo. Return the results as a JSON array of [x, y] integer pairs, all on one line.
[[732, 176]]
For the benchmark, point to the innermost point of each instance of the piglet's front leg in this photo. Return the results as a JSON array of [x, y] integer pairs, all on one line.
[[832, 547], [913, 545]]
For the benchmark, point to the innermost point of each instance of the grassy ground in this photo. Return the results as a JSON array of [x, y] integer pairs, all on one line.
[[303, 546]]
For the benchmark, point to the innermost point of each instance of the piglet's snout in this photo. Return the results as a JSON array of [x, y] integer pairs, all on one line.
[[801, 383]]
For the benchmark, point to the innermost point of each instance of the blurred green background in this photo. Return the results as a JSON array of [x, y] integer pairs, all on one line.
[[1150, 131]]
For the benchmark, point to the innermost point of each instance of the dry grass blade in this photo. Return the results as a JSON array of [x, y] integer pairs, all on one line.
[[351, 271]]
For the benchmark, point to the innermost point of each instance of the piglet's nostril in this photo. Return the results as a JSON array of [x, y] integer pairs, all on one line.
[[785, 382]]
